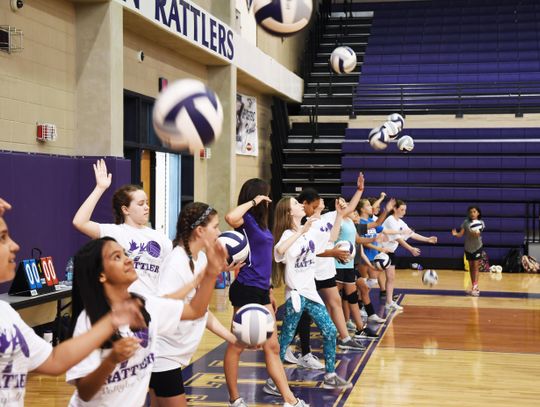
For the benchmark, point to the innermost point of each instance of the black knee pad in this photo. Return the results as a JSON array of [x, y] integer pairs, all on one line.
[[352, 298]]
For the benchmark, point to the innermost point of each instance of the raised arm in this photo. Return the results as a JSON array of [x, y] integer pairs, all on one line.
[[356, 197], [81, 220], [283, 247], [235, 217], [72, 351]]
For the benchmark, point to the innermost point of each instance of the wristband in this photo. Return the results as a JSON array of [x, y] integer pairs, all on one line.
[[254, 202]]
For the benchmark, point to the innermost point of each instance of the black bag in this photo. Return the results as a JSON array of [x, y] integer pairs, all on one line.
[[512, 261]]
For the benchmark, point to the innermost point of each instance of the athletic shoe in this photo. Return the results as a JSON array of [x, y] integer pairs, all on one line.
[[333, 381], [393, 306], [299, 403], [475, 292], [310, 361], [366, 333], [382, 294], [239, 402], [290, 357], [377, 319], [351, 326], [350, 345], [271, 388]]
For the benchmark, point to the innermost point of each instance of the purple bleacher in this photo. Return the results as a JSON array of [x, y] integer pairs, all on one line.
[[449, 169], [462, 43]]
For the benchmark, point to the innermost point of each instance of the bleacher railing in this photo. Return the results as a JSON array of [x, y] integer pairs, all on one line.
[[448, 98], [533, 223]]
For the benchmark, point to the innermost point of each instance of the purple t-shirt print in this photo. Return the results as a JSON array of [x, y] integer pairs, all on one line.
[[302, 260], [258, 268]]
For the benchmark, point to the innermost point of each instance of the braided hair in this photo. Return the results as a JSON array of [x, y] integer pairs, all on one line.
[[192, 215]]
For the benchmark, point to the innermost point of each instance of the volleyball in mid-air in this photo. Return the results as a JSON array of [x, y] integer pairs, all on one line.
[[187, 115], [283, 17], [405, 143], [430, 278], [343, 60], [253, 324], [378, 138], [397, 119], [237, 246], [477, 225]]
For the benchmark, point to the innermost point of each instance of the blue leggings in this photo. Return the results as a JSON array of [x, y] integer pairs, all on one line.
[[320, 316]]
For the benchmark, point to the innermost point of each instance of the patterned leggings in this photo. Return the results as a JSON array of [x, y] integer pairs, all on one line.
[[320, 316]]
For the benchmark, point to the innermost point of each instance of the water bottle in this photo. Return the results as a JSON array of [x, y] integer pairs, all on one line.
[[69, 272]]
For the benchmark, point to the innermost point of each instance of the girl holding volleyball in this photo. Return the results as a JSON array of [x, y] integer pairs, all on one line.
[[472, 227], [295, 254], [147, 247], [23, 351], [252, 285], [119, 372], [183, 269]]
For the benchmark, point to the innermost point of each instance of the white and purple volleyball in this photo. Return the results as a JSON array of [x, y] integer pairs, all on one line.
[[430, 278], [392, 129], [397, 119], [381, 261], [378, 138], [253, 324], [187, 115], [405, 143], [283, 17], [237, 246], [477, 225], [343, 60], [348, 246]]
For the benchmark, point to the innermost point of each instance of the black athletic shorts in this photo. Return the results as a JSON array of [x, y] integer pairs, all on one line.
[[392, 258], [328, 283], [168, 383], [240, 295], [345, 276], [475, 255]]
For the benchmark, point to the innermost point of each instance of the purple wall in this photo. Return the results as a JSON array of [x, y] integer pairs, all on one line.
[[45, 192]]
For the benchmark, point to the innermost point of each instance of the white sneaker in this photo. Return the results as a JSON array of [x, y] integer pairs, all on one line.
[[271, 388], [393, 306], [372, 282], [377, 319], [239, 402], [290, 356], [310, 361], [299, 403], [333, 381]]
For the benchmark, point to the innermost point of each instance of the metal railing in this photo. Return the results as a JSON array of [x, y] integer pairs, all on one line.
[[455, 98], [533, 223]]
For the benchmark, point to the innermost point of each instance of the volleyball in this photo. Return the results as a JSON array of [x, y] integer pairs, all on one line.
[[392, 129], [343, 60], [282, 17], [430, 278], [378, 138], [348, 246], [187, 115], [477, 226], [405, 144], [381, 261], [253, 324], [397, 119], [237, 246]]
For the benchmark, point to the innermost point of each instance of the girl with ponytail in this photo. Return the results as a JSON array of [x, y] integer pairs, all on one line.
[[181, 270]]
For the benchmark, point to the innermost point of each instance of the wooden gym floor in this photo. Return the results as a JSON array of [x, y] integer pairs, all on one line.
[[444, 349]]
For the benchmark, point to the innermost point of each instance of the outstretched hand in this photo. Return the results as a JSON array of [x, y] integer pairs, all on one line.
[[103, 179], [360, 181], [4, 206], [127, 313], [217, 258]]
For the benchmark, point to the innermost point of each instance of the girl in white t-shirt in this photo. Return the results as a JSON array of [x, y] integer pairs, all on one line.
[[197, 222], [119, 372], [23, 351], [297, 249], [395, 223], [145, 246]]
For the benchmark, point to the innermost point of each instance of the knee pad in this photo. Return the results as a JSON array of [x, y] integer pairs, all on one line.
[[352, 298]]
